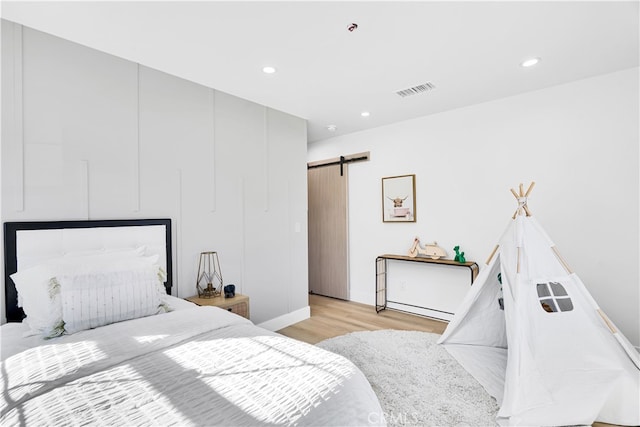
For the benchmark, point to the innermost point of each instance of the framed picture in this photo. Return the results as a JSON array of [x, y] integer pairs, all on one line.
[[399, 198]]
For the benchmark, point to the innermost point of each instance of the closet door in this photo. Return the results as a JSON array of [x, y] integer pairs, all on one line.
[[328, 232]]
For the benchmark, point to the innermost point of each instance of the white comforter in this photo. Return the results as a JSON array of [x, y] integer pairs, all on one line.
[[198, 366]]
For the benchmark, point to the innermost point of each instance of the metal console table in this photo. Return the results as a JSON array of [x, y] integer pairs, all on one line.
[[381, 274]]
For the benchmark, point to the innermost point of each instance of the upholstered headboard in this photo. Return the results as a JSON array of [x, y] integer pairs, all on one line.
[[29, 243]]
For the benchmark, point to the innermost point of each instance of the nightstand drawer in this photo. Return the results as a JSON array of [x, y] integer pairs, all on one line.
[[238, 304], [240, 308]]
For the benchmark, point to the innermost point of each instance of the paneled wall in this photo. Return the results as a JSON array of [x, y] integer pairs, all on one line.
[[86, 135]]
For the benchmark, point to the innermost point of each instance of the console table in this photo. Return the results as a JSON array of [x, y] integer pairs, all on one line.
[[381, 275]]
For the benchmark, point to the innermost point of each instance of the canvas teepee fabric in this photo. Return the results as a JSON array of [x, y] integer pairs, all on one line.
[[533, 336]]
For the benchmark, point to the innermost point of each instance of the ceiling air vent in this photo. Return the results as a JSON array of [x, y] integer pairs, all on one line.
[[426, 87]]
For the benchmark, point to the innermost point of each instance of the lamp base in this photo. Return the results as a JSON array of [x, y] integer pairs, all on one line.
[[208, 292]]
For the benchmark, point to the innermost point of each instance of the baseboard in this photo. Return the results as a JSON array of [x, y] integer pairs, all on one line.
[[422, 311], [288, 319], [367, 298]]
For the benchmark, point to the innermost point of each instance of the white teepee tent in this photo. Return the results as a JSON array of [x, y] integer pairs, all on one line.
[[533, 336]]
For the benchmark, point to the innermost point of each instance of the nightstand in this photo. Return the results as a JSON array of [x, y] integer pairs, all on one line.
[[238, 304]]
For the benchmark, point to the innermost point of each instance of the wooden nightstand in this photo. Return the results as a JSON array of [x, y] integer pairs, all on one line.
[[238, 304]]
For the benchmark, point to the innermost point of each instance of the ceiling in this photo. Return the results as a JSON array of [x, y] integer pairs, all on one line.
[[470, 51]]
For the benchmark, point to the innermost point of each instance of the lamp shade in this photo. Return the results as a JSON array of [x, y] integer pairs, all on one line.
[[209, 280]]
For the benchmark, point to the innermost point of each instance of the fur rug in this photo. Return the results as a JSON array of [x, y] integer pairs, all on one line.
[[417, 382]]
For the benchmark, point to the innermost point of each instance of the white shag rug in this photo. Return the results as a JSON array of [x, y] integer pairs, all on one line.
[[417, 382]]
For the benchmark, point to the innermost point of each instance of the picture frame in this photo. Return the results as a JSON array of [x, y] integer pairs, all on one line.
[[399, 198]]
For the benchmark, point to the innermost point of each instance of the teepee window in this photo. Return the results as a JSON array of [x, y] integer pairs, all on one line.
[[553, 297], [564, 304], [558, 289], [543, 290]]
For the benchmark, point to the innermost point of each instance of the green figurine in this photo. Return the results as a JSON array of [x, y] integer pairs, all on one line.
[[459, 255]]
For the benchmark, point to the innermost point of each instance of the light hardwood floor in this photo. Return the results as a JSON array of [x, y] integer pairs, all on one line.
[[332, 317]]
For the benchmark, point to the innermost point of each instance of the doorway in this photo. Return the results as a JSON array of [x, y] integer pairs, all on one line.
[[328, 220], [328, 232]]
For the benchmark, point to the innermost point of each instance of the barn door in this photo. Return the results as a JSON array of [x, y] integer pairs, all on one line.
[[328, 231]]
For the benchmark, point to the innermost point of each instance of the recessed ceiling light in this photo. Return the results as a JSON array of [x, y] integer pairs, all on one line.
[[332, 128], [530, 62], [365, 114], [268, 70]]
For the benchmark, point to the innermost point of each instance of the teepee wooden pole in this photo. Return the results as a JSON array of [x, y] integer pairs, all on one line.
[[626, 345], [526, 195], [522, 194], [562, 261], [492, 254], [515, 214], [533, 183], [606, 320]]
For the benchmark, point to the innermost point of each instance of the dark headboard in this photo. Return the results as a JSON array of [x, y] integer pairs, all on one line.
[[15, 313]]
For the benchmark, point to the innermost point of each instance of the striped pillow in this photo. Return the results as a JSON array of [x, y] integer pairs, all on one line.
[[98, 299], [39, 290]]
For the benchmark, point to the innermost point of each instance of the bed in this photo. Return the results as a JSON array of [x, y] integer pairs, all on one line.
[[181, 365]]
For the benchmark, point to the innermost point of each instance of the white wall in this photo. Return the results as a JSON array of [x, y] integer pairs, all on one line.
[[578, 142], [87, 135]]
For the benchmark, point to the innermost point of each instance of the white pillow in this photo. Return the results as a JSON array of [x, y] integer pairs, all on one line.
[[33, 284], [97, 299]]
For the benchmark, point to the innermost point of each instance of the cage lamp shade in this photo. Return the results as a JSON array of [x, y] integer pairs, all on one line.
[[209, 280]]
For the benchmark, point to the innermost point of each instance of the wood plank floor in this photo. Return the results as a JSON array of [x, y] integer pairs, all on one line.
[[332, 317]]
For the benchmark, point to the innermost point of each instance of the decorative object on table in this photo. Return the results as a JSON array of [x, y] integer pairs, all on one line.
[[209, 279], [399, 198], [230, 291], [459, 255], [431, 250]]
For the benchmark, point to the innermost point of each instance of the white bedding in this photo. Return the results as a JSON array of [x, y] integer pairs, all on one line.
[[193, 366]]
